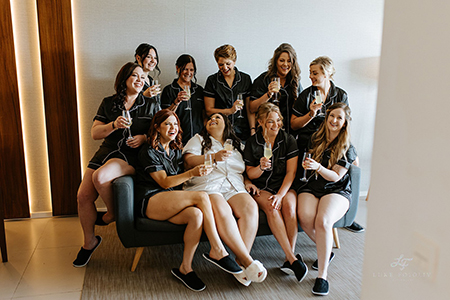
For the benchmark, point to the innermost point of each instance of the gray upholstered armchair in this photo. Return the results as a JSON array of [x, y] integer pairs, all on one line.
[[135, 231]]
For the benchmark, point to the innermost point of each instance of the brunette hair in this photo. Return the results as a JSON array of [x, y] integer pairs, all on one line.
[[182, 61], [225, 51], [153, 134], [293, 76], [339, 145], [228, 133], [142, 51], [120, 85], [326, 65]]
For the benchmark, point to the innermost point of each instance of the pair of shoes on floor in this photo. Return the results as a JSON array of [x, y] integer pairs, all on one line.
[[84, 256], [297, 268], [225, 263], [321, 287], [315, 265], [355, 227], [190, 280], [242, 278], [99, 221]]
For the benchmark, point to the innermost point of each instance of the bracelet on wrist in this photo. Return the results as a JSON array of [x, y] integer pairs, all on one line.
[[261, 168], [114, 127], [311, 114], [269, 95]]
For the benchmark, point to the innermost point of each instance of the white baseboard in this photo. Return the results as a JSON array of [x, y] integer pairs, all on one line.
[[363, 195], [41, 214]]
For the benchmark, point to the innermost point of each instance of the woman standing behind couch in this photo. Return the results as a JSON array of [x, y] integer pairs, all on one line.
[[158, 183], [307, 113], [117, 155], [284, 65], [223, 88], [276, 197], [188, 107], [147, 57], [326, 196], [228, 194]]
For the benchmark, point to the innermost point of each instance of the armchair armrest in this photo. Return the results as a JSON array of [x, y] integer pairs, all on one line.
[[123, 190]]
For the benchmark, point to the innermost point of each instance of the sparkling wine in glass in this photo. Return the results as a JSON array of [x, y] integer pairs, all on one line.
[[127, 116], [268, 154], [228, 145], [306, 155], [188, 92], [318, 100], [240, 105], [208, 160], [277, 90]]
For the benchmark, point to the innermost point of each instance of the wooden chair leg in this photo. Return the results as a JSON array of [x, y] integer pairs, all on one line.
[[336, 238], [137, 257]]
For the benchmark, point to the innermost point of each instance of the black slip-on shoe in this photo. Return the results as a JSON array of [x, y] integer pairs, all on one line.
[[321, 287], [225, 263], [190, 280], [300, 269], [315, 265], [355, 227], [84, 256], [286, 268]]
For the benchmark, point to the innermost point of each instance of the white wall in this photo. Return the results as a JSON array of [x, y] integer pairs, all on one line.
[[107, 33], [409, 198]]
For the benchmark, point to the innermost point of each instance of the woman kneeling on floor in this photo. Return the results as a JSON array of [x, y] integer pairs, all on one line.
[[225, 186], [326, 196], [159, 180]]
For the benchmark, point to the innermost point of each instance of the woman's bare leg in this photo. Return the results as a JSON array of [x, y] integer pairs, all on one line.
[[331, 208], [245, 209], [193, 217], [276, 224], [307, 211], [102, 179], [163, 207], [289, 213], [228, 229], [87, 213]]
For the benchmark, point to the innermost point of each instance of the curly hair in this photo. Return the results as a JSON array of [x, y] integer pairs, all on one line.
[[153, 134], [228, 133], [293, 76], [120, 85], [339, 145], [142, 51]]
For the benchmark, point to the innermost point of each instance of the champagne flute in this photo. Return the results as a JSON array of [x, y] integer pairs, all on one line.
[[268, 154], [188, 91], [228, 145], [127, 116], [277, 89], [208, 163], [318, 100], [306, 155], [240, 105]]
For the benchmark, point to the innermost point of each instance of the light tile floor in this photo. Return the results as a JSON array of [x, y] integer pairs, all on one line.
[[40, 255]]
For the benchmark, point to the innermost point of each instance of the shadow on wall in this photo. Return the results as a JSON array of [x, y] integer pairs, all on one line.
[[367, 68]]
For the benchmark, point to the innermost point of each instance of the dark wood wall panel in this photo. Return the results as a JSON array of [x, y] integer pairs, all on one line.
[[13, 183], [58, 75]]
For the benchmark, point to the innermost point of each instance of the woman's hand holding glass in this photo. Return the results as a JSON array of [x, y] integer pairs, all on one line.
[[153, 90], [182, 96], [223, 155], [310, 164], [265, 163], [202, 170]]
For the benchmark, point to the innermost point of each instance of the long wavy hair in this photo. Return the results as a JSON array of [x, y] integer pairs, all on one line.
[[293, 76], [339, 145], [153, 134], [120, 85], [182, 61], [142, 51], [228, 133]]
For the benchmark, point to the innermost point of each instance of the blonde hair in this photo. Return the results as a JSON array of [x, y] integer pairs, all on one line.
[[326, 65], [264, 110], [225, 51], [339, 145]]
